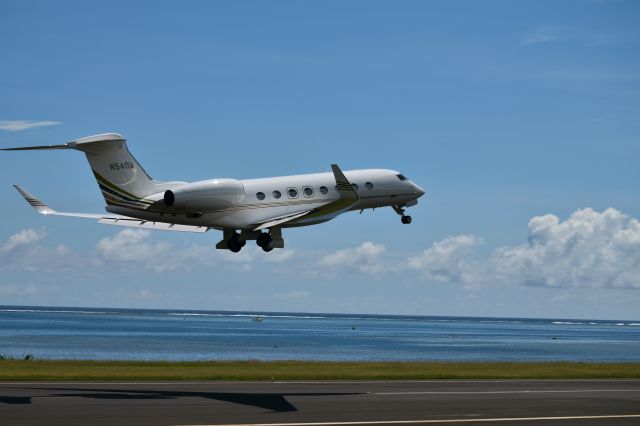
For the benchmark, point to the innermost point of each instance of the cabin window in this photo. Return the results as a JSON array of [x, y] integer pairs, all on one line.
[[260, 195], [324, 190], [401, 176], [355, 186], [293, 193], [369, 185], [307, 191], [277, 194]]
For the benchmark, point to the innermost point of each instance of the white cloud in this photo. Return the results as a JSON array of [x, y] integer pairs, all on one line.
[[588, 249], [146, 294], [195, 256], [595, 74], [20, 125], [134, 246], [448, 260], [589, 38], [365, 258], [543, 34], [23, 238], [130, 245], [292, 295], [279, 256], [18, 289], [25, 250]]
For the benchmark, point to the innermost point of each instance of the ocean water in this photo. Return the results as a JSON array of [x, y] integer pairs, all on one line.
[[135, 334]]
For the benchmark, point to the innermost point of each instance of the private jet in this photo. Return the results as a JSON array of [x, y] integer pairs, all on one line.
[[243, 209]]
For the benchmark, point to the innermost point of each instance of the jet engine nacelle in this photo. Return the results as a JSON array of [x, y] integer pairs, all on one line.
[[205, 195]]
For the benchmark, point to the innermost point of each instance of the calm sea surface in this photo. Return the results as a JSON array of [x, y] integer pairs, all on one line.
[[132, 334]]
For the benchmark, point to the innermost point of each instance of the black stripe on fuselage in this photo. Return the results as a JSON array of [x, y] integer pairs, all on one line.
[[115, 195]]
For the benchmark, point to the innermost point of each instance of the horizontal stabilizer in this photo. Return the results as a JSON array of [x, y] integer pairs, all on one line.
[[34, 148]]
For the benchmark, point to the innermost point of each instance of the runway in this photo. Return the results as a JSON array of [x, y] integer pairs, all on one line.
[[482, 402]]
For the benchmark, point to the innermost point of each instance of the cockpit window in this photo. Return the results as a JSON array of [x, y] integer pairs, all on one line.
[[401, 176]]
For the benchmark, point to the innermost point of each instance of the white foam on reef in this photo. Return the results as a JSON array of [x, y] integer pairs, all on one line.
[[53, 311], [192, 314]]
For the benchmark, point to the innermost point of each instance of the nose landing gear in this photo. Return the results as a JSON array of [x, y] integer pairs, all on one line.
[[403, 217]]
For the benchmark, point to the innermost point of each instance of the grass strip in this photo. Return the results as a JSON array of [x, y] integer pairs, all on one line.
[[21, 370]]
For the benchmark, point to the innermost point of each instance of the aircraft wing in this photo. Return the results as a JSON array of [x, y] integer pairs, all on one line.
[[281, 220], [146, 224], [118, 220], [348, 197]]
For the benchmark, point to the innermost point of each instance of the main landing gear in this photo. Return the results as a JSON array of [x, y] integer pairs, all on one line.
[[403, 218], [263, 241], [234, 240], [235, 244]]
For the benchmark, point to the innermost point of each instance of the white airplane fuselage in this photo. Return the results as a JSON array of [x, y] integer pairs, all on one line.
[[242, 208], [385, 189]]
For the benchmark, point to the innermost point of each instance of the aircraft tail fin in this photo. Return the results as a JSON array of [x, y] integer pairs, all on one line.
[[120, 177]]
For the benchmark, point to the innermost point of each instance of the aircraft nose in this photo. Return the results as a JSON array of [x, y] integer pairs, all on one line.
[[418, 191]]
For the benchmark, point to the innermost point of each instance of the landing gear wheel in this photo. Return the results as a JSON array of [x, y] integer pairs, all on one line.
[[234, 244], [267, 249], [403, 217], [263, 240]]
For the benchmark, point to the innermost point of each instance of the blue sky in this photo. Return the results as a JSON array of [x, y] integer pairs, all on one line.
[[505, 112]]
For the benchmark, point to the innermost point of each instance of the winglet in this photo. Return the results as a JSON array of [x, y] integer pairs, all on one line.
[[346, 191], [41, 207]]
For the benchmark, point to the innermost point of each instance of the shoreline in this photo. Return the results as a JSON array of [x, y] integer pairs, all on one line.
[[307, 315], [66, 370]]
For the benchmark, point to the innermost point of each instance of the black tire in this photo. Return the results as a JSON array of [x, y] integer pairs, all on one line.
[[407, 220], [267, 249], [234, 244], [263, 240]]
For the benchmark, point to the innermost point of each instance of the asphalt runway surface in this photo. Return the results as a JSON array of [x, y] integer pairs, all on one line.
[[469, 402]]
